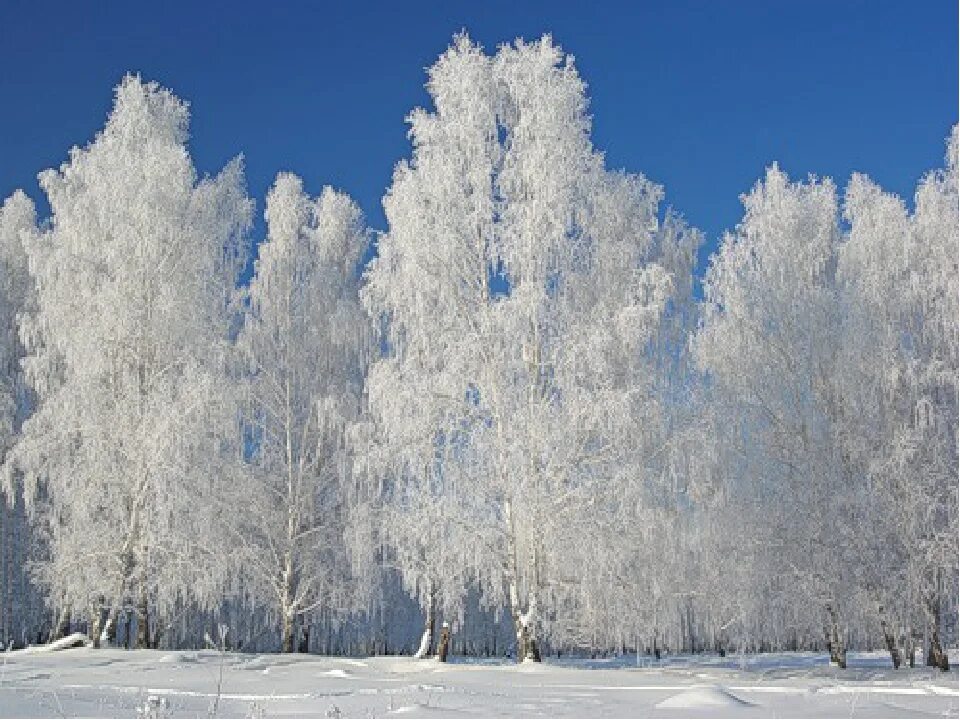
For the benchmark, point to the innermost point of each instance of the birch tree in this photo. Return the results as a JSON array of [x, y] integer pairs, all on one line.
[[636, 575], [135, 273], [17, 296], [899, 277], [18, 226], [303, 343], [768, 344], [515, 292]]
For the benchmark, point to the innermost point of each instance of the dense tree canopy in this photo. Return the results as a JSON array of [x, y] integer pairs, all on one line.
[[519, 417]]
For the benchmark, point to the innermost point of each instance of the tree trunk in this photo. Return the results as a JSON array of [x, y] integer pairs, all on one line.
[[890, 640], [113, 622], [96, 622], [287, 595], [524, 626], [936, 657], [907, 646], [527, 645], [531, 641], [158, 631], [721, 644], [286, 633], [426, 640], [444, 645], [838, 653], [63, 624], [143, 618], [524, 623], [94, 626]]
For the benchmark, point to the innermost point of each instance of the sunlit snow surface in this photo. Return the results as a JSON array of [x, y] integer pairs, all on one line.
[[146, 683]]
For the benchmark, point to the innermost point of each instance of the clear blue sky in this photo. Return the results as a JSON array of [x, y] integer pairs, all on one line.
[[699, 96]]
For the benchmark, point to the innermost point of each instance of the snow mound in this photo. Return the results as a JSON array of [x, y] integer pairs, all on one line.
[[259, 662], [179, 657], [530, 666], [73, 640], [428, 711], [337, 672], [708, 697], [412, 665]]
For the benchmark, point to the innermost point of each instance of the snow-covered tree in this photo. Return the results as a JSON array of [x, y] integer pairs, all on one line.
[[431, 283], [304, 342], [899, 277], [17, 296], [768, 345], [638, 574], [135, 272], [18, 225], [556, 443], [516, 293]]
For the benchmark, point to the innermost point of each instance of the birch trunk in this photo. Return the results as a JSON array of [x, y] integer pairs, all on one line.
[[426, 640], [63, 624], [143, 617], [444, 645], [909, 647], [890, 641], [113, 620], [524, 623], [838, 653], [286, 633], [96, 622], [936, 657], [293, 499], [287, 610]]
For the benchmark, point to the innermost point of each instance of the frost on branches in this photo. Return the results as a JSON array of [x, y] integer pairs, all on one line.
[[20, 603], [303, 348], [135, 271], [518, 428], [831, 366], [517, 292]]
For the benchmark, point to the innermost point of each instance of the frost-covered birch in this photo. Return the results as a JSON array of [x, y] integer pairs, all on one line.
[[18, 606], [303, 346], [898, 273], [516, 294], [768, 344], [135, 272]]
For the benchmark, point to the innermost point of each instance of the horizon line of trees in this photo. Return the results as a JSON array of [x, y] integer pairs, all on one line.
[[518, 418]]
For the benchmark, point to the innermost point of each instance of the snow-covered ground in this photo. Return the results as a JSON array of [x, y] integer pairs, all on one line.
[[146, 683]]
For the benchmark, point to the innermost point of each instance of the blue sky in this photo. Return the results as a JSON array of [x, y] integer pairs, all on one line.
[[699, 96]]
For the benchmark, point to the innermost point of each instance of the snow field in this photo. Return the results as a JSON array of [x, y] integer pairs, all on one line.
[[145, 683]]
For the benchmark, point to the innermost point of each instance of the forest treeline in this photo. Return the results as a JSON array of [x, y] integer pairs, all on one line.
[[521, 418]]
